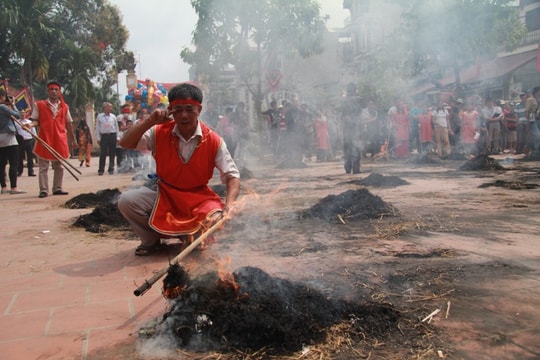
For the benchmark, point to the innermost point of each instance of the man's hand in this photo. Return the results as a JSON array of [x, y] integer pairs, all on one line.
[[159, 116]]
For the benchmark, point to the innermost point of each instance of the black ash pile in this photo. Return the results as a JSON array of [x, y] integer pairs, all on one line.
[[513, 185], [105, 215], [88, 200], [351, 205], [481, 163], [253, 310], [102, 219], [378, 180]]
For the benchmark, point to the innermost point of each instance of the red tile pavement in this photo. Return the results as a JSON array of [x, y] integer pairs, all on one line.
[[67, 292]]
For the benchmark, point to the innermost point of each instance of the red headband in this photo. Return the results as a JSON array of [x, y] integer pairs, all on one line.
[[184, 102], [53, 86]]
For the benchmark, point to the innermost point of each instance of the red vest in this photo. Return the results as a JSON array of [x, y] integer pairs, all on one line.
[[52, 130], [184, 198]]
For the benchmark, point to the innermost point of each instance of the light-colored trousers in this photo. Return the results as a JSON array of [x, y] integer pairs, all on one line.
[[136, 206], [441, 138], [58, 177]]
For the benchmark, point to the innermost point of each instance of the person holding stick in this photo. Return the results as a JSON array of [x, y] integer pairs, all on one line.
[[55, 125], [186, 151]]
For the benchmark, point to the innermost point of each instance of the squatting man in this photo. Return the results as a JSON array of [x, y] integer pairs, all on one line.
[[186, 151]]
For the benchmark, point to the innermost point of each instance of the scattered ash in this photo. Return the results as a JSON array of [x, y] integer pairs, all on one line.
[[351, 205], [378, 180], [514, 185], [292, 163], [102, 218], [87, 200], [481, 162], [427, 255], [254, 311]]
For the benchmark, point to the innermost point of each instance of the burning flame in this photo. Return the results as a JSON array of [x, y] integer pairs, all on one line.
[[226, 277]]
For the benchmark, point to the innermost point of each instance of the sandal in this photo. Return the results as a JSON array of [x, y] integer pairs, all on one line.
[[146, 250]]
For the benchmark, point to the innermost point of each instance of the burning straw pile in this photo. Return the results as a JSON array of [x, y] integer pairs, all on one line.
[[250, 311]]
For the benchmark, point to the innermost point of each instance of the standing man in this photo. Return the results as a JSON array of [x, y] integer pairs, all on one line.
[[106, 132], [442, 130], [350, 123], [55, 126], [241, 132], [186, 152], [493, 115], [274, 119]]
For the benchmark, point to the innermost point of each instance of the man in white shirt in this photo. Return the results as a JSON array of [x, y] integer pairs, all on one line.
[[106, 136]]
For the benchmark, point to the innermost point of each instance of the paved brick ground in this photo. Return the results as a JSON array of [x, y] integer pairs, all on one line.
[[68, 294]]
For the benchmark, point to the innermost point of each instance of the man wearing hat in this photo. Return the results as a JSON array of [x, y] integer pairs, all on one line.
[[55, 124]]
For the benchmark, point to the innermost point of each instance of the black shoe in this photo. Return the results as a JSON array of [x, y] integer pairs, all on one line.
[[43, 194], [82, 162], [111, 172], [60, 192], [31, 174], [100, 173]]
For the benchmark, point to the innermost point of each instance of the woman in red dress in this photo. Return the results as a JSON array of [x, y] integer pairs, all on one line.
[[400, 128], [469, 126], [426, 130]]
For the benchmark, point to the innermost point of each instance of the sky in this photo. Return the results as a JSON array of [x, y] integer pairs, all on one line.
[[160, 29]]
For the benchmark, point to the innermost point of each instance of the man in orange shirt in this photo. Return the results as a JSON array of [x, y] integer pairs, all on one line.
[[55, 125], [186, 152]]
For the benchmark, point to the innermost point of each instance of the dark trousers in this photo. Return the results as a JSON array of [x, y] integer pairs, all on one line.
[[26, 148], [9, 154], [107, 147], [351, 156]]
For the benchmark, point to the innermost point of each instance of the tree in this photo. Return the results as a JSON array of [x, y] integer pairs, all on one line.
[[81, 44], [237, 32]]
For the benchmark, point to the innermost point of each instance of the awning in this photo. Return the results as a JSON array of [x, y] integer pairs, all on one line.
[[485, 70], [497, 67]]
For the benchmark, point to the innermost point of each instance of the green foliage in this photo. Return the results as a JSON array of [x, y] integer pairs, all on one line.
[[235, 32], [81, 44]]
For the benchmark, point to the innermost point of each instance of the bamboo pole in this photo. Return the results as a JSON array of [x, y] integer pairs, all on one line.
[[158, 274], [55, 153]]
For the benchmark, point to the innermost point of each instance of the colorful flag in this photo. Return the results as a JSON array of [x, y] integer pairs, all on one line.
[[4, 86], [273, 73], [22, 100]]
